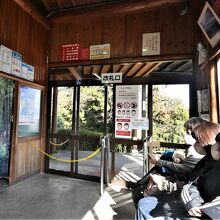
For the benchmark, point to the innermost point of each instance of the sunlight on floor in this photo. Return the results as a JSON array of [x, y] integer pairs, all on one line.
[[115, 197]]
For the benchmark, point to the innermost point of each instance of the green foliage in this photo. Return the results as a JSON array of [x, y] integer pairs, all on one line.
[[92, 108], [169, 115], [65, 109]]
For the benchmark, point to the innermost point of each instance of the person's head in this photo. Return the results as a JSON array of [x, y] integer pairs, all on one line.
[[215, 149], [205, 134], [178, 157], [191, 123]]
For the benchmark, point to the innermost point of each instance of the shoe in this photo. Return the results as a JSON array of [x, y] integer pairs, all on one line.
[[131, 185]]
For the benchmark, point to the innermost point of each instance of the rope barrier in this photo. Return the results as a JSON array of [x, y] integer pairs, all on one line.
[[69, 161], [58, 145]]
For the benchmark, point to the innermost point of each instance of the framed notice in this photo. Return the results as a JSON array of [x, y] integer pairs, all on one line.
[[210, 24], [29, 112], [99, 51], [203, 101], [5, 59], [16, 63], [128, 107], [151, 44], [70, 52]]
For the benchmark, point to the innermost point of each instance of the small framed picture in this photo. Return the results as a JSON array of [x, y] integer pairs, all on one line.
[[210, 24]]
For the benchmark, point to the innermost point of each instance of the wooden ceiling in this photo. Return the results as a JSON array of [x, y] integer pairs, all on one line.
[[129, 70], [50, 7], [46, 7]]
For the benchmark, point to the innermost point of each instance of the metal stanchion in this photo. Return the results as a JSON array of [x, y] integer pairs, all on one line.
[[107, 150], [145, 157], [102, 165]]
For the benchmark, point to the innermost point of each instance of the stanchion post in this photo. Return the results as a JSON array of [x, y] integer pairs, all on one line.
[[102, 165], [107, 150]]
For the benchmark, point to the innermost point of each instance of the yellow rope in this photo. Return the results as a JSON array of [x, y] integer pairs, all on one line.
[[60, 143], [69, 161]]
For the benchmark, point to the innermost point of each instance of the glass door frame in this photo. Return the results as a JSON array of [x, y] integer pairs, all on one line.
[[74, 135]]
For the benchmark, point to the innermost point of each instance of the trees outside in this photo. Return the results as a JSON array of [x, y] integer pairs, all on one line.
[[169, 115], [6, 98]]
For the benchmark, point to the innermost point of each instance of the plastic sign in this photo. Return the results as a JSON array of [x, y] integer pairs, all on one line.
[[111, 78]]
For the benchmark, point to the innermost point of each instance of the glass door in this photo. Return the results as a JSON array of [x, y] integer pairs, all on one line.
[[6, 101], [76, 125], [60, 138]]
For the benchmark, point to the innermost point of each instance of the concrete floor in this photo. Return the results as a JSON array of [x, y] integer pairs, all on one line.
[[47, 196]]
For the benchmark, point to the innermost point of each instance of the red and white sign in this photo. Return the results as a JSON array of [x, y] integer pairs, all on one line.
[[70, 52], [128, 107]]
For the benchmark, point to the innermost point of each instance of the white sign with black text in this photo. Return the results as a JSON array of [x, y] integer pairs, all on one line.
[[140, 123], [111, 77]]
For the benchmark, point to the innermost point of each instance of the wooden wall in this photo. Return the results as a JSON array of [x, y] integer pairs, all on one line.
[[20, 32], [124, 31]]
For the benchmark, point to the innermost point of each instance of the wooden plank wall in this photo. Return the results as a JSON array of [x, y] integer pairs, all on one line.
[[20, 32], [124, 32]]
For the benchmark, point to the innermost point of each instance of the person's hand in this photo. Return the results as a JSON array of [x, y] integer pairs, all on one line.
[[195, 211], [153, 159]]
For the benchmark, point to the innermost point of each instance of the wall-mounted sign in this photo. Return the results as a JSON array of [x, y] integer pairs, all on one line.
[[16, 63], [30, 73], [128, 107], [140, 123], [24, 70], [5, 59], [151, 44], [99, 51], [111, 77], [70, 52]]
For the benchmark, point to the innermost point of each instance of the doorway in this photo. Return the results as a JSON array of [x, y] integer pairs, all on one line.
[[77, 123], [6, 109]]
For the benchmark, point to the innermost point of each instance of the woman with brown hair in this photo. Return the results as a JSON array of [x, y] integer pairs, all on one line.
[[204, 135]]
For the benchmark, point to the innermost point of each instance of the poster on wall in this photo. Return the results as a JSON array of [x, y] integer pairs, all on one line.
[[203, 101], [24, 70], [70, 52], [30, 73], [128, 107], [29, 112], [5, 59], [99, 51], [151, 44], [16, 63]]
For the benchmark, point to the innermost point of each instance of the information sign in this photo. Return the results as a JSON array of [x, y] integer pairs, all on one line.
[[111, 77]]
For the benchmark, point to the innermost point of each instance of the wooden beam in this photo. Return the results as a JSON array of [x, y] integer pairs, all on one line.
[[123, 7], [151, 67], [213, 95], [33, 12], [97, 69], [45, 3], [167, 58], [134, 69], [106, 69], [60, 4], [75, 73]]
